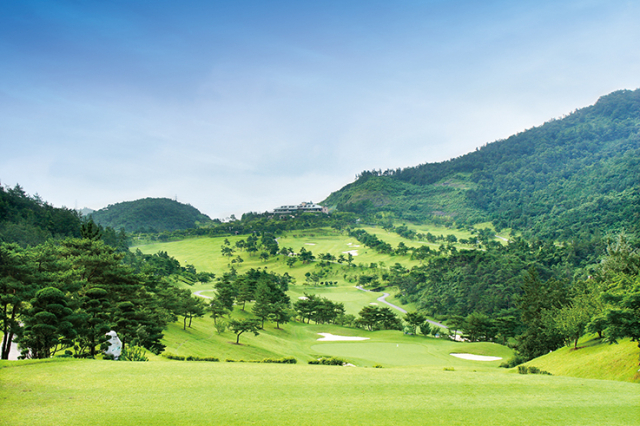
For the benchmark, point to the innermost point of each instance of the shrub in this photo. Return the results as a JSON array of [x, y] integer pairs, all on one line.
[[133, 353], [173, 356], [516, 360], [329, 361], [286, 360], [523, 369], [377, 366]]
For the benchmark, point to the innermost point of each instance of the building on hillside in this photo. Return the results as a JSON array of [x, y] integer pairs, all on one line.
[[303, 207]]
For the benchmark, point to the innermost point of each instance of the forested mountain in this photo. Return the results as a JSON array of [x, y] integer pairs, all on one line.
[[570, 177], [29, 221], [149, 214]]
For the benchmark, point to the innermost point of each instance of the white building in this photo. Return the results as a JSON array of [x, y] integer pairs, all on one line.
[[301, 208]]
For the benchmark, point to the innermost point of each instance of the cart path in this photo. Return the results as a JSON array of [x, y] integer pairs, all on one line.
[[199, 294], [398, 308]]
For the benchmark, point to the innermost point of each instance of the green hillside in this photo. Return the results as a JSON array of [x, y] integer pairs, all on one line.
[[594, 359], [149, 214], [579, 175], [29, 221]]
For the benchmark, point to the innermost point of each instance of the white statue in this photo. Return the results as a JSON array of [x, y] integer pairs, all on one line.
[[115, 345]]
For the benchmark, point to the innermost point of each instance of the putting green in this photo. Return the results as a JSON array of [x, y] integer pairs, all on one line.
[[379, 352]]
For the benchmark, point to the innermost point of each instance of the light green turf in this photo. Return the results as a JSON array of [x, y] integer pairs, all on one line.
[[204, 254], [389, 348], [594, 359], [77, 392]]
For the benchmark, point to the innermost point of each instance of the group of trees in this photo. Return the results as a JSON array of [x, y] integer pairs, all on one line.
[[29, 221], [67, 295], [265, 289], [373, 317], [312, 307]]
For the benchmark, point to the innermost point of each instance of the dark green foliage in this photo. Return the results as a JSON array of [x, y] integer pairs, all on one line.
[[572, 177], [242, 326], [48, 325], [319, 309], [29, 221], [522, 369], [133, 353], [329, 361], [486, 281], [415, 320], [150, 214], [377, 318], [172, 356], [540, 336]]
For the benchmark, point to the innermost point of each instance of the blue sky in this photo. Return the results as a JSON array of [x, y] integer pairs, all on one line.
[[247, 105]]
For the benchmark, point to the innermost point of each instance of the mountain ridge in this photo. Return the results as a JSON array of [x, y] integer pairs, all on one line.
[[582, 169], [149, 214]]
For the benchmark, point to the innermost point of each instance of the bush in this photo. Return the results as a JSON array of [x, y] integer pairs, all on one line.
[[523, 369], [516, 360], [170, 355], [190, 358], [286, 360], [377, 366], [328, 361], [133, 353]]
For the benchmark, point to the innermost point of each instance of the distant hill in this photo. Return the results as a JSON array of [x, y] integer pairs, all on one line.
[[575, 176], [85, 211], [29, 221], [149, 214]]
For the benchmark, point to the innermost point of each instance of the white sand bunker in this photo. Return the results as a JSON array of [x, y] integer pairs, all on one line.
[[303, 298], [328, 337], [351, 252], [309, 244], [373, 303], [472, 357]]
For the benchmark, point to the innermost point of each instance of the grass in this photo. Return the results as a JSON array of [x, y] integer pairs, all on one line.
[[594, 359], [389, 348], [81, 392]]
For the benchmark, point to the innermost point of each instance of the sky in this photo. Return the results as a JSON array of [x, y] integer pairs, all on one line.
[[238, 106]]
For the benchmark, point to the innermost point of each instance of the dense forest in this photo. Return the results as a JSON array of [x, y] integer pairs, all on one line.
[[572, 177], [150, 215], [28, 220]]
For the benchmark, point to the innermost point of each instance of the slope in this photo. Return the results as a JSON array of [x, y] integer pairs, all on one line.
[[149, 214], [573, 176]]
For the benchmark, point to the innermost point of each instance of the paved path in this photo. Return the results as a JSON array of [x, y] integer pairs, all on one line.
[[384, 296], [199, 294]]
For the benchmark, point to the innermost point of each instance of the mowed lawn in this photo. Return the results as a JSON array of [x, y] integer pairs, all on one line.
[[85, 392], [205, 252]]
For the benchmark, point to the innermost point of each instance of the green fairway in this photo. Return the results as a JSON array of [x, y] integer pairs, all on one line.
[[389, 348], [75, 392], [205, 252]]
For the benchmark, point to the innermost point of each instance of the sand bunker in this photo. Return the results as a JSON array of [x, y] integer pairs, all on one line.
[[328, 337], [373, 303], [303, 298], [351, 252], [309, 244], [472, 357]]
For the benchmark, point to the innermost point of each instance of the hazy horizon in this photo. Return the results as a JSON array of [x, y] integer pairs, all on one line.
[[246, 106]]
